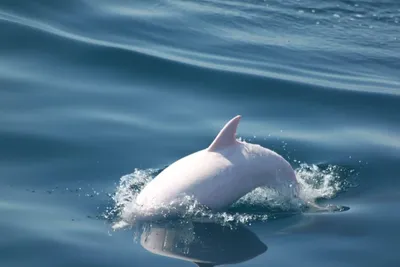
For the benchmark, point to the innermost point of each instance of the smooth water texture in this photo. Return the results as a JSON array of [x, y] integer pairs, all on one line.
[[98, 96]]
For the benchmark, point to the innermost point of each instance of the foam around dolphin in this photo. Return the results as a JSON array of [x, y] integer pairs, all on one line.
[[220, 175]]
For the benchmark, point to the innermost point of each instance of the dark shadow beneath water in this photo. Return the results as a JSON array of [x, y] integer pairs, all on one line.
[[203, 243]]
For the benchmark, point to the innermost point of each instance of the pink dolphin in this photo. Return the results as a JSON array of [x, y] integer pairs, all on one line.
[[221, 174]]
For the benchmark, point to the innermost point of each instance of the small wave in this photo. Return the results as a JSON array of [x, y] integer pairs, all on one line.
[[148, 45], [316, 182]]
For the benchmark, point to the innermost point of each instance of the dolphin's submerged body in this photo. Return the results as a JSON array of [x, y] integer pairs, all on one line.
[[220, 175]]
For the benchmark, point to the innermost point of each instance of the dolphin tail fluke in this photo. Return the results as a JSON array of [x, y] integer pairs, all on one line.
[[314, 207]]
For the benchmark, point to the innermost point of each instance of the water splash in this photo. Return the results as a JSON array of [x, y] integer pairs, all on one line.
[[262, 204], [323, 181]]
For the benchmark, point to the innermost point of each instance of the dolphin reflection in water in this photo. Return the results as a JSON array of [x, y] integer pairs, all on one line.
[[205, 244]]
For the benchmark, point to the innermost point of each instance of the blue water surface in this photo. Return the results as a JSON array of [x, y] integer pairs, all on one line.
[[93, 92]]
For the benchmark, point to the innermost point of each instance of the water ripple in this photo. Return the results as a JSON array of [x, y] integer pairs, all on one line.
[[232, 58]]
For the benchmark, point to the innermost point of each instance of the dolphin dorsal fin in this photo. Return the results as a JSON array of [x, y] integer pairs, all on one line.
[[227, 136]]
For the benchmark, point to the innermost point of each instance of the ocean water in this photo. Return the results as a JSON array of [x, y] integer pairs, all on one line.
[[98, 96]]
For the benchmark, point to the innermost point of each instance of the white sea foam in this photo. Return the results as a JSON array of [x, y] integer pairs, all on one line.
[[261, 204]]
